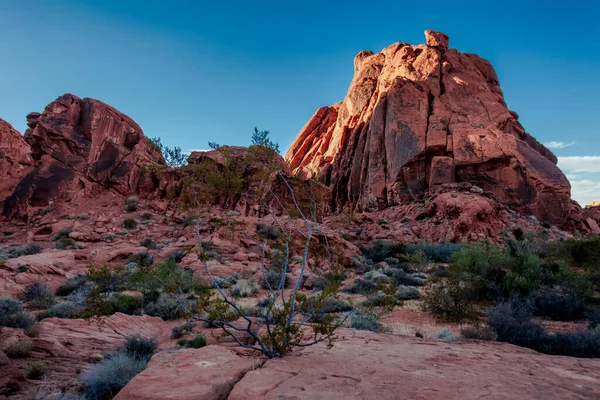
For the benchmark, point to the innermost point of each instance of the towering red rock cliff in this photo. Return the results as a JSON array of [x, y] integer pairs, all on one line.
[[79, 146], [416, 117], [15, 158]]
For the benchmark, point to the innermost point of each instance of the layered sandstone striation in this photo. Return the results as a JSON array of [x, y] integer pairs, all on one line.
[[416, 117]]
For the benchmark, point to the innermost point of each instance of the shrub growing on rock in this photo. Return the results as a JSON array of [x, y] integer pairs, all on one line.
[[362, 286], [165, 307], [149, 243], [126, 303], [445, 334], [106, 379], [130, 223], [558, 306], [478, 332], [64, 243], [131, 204], [448, 298], [36, 369], [38, 295], [379, 250], [179, 330], [139, 347], [244, 288], [197, 342], [25, 250], [267, 231], [19, 348], [12, 314], [273, 279], [366, 320], [65, 309]]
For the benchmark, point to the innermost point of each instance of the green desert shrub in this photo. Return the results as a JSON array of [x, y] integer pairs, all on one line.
[[557, 305], [36, 369], [379, 250], [130, 223], [478, 332], [273, 278], [62, 233], [197, 342], [64, 243], [12, 314], [434, 252], [512, 322], [267, 231], [19, 348], [139, 347], [71, 285], [332, 304], [25, 250], [105, 379], [131, 204], [148, 243], [165, 307], [66, 309], [366, 320], [38, 295], [445, 334], [448, 298], [407, 292], [362, 286], [244, 288], [126, 303], [179, 330]]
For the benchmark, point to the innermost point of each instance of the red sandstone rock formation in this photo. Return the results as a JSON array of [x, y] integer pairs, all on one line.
[[416, 117], [80, 146], [15, 158]]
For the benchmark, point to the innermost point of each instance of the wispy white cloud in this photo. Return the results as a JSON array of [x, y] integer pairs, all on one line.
[[191, 150], [584, 174], [579, 164], [559, 145]]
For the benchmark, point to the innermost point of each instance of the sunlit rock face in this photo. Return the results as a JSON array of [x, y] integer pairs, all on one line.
[[416, 117]]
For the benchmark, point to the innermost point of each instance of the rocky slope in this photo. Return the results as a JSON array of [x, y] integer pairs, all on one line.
[[416, 117]]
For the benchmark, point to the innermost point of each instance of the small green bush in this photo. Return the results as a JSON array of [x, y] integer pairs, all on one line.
[[36, 369], [12, 314], [197, 342], [63, 233], [19, 349], [25, 250], [33, 331], [165, 307], [130, 223], [179, 330], [362, 286], [71, 285], [149, 243], [38, 295], [267, 231], [366, 320], [126, 303], [244, 288], [64, 243], [273, 278], [478, 332], [379, 250], [106, 379], [448, 298], [139, 347], [131, 204], [146, 216], [65, 309], [407, 292], [332, 304], [445, 334], [435, 252]]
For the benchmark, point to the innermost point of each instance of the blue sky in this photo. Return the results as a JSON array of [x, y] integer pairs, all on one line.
[[197, 71]]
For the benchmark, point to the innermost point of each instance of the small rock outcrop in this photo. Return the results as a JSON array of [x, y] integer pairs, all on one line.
[[416, 117], [80, 146]]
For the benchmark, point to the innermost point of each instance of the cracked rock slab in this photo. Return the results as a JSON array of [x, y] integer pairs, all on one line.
[[364, 365], [185, 374]]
